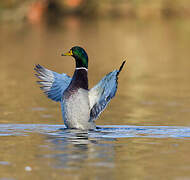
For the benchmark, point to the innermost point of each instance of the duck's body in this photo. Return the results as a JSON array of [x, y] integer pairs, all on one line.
[[76, 110], [75, 103], [80, 106]]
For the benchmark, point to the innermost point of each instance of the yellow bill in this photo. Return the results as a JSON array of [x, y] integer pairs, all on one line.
[[70, 53]]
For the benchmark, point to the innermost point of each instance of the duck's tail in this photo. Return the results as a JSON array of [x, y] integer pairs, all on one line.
[[121, 67]]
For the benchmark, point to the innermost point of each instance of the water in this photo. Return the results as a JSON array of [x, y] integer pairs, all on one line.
[[143, 134], [51, 151]]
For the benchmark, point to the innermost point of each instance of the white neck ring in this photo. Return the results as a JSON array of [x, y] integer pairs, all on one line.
[[81, 68]]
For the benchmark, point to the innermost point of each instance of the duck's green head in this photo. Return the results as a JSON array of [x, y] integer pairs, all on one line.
[[80, 56]]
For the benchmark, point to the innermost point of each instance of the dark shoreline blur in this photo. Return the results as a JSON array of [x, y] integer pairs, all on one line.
[[39, 10]]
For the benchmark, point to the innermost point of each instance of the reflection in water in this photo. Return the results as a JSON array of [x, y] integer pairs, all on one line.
[[75, 148]]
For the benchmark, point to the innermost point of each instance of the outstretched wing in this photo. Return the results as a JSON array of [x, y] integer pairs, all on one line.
[[101, 94], [53, 84]]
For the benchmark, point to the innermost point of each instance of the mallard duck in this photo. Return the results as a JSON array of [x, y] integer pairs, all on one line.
[[80, 106]]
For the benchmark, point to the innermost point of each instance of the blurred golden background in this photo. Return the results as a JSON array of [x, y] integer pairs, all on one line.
[[152, 35]]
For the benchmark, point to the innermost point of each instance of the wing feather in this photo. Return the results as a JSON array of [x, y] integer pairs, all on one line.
[[53, 84], [101, 94]]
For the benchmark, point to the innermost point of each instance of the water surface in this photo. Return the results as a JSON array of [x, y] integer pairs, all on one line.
[[143, 134]]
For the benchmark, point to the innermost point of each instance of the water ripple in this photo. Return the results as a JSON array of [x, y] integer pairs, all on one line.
[[114, 131]]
